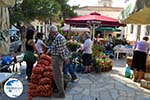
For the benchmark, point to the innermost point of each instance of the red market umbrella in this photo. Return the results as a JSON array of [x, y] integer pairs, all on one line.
[[93, 17], [93, 20]]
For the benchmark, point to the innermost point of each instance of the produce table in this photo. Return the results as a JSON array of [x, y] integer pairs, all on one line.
[[127, 51]]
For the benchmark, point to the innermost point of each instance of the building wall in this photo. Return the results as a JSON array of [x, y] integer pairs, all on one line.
[[105, 3], [113, 12], [137, 33], [39, 26]]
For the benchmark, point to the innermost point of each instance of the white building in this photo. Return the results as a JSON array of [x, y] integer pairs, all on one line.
[[39, 26], [135, 32], [105, 3], [103, 10]]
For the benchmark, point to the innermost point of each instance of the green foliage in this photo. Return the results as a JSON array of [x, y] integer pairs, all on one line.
[[66, 10], [118, 41], [16, 15], [97, 48], [72, 46], [103, 61], [47, 9], [44, 10]]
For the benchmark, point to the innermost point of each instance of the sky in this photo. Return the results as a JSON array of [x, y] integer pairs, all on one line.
[[116, 3]]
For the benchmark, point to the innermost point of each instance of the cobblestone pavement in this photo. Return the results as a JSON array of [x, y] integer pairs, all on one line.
[[103, 86]]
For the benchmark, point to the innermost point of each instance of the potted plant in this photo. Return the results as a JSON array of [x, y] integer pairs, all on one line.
[[72, 46]]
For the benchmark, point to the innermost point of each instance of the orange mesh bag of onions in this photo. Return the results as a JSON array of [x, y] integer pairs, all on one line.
[[46, 94], [44, 88], [46, 57], [44, 62], [45, 81], [32, 86], [38, 70], [48, 68], [36, 76], [33, 92]]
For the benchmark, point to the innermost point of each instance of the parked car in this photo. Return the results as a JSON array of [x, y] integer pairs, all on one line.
[[16, 44]]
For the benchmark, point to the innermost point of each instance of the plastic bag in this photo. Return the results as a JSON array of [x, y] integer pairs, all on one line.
[[7, 60], [128, 72]]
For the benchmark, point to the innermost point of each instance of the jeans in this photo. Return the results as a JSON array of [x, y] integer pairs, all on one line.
[[69, 69]]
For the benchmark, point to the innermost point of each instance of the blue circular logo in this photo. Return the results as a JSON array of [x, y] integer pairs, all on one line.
[[13, 88]]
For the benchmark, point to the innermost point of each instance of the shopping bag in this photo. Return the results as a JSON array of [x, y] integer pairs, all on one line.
[[128, 72], [7, 60]]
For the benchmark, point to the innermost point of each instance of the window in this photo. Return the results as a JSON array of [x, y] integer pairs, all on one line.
[[37, 28], [41, 29], [147, 30], [132, 27]]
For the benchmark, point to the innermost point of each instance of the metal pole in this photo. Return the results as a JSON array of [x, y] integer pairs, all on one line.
[[93, 31]]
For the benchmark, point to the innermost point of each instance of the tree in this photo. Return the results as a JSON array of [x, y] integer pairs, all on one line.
[[34, 9], [66, 11]]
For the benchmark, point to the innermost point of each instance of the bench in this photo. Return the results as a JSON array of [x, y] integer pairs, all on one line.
[[4, 77]]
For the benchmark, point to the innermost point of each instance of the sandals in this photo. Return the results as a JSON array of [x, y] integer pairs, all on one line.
[[136, 80]]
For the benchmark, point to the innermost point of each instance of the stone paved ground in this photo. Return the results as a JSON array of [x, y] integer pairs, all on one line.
[[104, 86]]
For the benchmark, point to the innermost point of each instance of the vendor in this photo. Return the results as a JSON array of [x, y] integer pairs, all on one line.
[[138, 65]]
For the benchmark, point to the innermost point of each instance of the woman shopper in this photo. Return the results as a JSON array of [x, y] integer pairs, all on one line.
[[87, 52], [138, 65], [40, 45], [29, 56]]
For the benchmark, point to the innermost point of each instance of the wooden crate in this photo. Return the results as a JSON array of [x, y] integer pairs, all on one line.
[[145, 83], [129, 62], [147, 76], [147, 70], [148, 64]]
